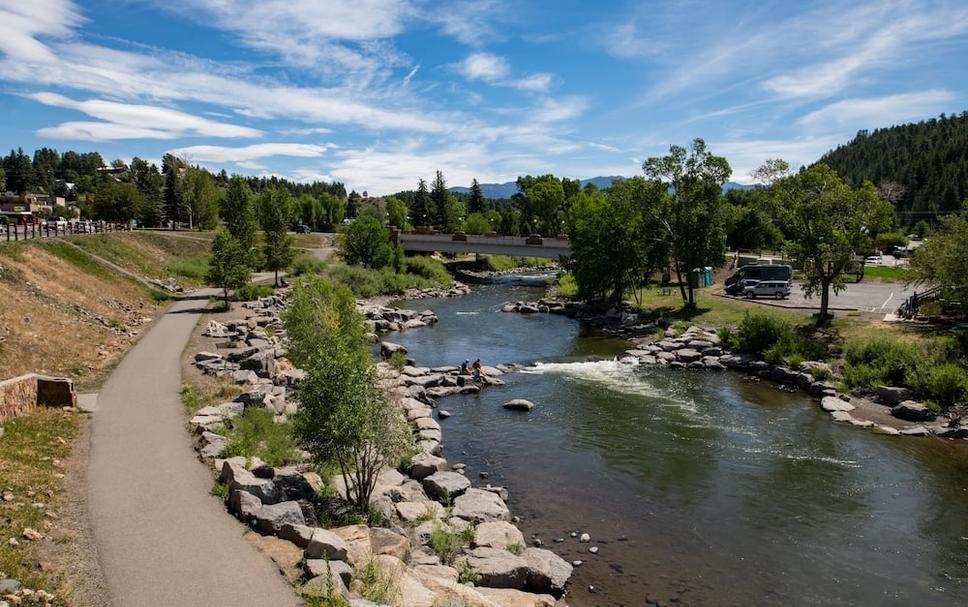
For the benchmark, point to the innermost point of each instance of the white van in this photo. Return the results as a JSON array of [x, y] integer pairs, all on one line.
[[768, 288]]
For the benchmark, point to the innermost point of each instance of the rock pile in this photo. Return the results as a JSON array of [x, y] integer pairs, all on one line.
[[426, 498], [457, 290], [382, 319]]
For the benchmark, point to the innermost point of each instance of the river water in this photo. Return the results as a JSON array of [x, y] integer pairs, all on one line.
[[697, 488]]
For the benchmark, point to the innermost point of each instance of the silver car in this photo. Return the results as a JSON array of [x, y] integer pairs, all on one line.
[[768, 288]]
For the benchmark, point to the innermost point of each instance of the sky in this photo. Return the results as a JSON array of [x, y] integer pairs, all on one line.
[[379, 93]]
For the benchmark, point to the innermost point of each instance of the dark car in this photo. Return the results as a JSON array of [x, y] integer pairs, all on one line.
[[459, 236], [534, 239], [302, 229]]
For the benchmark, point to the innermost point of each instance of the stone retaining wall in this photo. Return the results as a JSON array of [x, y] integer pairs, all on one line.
[[22, 395]]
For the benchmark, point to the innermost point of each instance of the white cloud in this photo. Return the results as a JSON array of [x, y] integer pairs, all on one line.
[[21, 22], [746, 156], [873, 112], [536, 82], [625, 42], [217, 153], [128, 121], [484, 66], [468, 21]]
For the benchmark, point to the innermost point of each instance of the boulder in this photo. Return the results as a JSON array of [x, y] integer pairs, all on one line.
[[357, 540], [480, 505], [415, 511], [912, 411], [326, 585], [325, 544], [388, 349], [498, 568], [892, 396], [445, 485], [498, 534], [509, 597], [270, 518], [384, 541], [832, 403], [688, 355], [425, 464], [736, 361], [318, 567], [244, 505], [547, 572], [519, 404], [299, 535], [238, 478]]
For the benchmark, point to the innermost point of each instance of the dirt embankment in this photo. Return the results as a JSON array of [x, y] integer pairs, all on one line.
[[64, 311]]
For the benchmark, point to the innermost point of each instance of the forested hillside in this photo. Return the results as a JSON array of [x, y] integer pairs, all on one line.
[[922, 167]]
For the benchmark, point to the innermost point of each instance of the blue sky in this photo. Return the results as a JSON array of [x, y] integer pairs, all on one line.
[[376, 93]]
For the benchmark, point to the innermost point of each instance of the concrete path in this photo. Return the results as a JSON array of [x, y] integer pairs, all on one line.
[[162, 539]]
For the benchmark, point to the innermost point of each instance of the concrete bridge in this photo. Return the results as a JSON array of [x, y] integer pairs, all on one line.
[[516, 246]]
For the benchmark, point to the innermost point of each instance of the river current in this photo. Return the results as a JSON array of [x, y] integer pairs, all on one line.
[[698, 488]]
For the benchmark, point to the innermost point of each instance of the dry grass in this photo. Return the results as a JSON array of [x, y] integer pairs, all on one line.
[[33, 461]]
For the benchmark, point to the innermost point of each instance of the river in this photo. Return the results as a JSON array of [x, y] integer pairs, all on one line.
[[698, 488]]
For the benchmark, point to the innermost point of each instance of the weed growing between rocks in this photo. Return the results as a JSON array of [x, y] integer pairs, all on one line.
[[256, 434], [447, 543], [377, 583], [213, 393], [398, 360]]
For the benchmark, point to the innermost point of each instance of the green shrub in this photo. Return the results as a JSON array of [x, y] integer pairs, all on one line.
[[680, 327], [820, 373], [446, 543], [876, 361], [567, 287], [160, 296], [516, 549], [307, 264], [365, 282], [429, 268], [220, 490], [758, 332], [499, 263], [398, 360], [466, 573], [946, 384], [727, 338], [251, 292], [256, 434]]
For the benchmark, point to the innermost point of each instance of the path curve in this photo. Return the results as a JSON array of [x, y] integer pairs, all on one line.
[[162, 539]]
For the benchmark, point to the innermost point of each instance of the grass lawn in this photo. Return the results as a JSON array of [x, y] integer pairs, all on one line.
[[888, 274], [710, 309], [33, 455]]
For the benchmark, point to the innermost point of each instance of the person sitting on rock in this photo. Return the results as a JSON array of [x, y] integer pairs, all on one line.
[[463, 367], [476, 368]]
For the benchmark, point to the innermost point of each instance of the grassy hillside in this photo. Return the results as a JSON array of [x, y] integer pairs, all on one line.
[[64, 311]]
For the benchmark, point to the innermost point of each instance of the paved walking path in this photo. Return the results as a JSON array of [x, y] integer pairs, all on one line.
[[162, 539]]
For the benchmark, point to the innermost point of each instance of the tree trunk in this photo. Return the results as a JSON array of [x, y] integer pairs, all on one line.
[[824, 303], [225, 293], [276, 283], [682, 287]]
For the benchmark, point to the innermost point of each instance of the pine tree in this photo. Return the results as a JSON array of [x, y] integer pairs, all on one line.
[[174, 198], [476, 202], [422, 211], [440, 199]]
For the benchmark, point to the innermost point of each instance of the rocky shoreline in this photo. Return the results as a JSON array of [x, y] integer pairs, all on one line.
[[485, 276], [492, 565], [889, 410]]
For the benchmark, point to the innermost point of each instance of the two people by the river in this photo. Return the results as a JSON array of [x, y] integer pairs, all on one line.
[[474, 371]]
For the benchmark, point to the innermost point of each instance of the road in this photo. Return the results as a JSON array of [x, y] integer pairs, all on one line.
[[866, 296], [162, 539]]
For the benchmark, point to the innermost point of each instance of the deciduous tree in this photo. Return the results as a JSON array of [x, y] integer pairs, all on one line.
[[227, 268], [274, 215]]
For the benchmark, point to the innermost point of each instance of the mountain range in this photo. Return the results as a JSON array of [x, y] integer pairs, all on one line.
[[499, 191]]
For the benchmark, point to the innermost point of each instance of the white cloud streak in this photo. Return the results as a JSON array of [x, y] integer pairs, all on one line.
[[216, 153], [875, 112]]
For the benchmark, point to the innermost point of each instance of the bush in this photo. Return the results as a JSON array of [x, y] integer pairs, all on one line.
[[499, 263], [365, 282], [256, 434], [307, 264], [567, 288], [727, 337], [429, 268], [758, 333], [945, 384], [398, 360], [377, 583], [446, 543], [366, 242], [251, 292], [880, 361]]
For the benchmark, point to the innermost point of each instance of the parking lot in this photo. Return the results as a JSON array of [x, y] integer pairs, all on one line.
[[865, 296]]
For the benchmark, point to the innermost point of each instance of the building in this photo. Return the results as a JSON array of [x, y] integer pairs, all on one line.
[[31, 206]]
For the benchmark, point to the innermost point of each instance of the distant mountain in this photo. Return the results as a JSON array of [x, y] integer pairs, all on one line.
[[499, 191]]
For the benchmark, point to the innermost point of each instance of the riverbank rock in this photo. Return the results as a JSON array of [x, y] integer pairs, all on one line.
[[892, 395], [388, 349], [444, 485], [519, 404], [481, 505], [832, 403], [497, 534], [912, 411], [324, 544], [425, 464]]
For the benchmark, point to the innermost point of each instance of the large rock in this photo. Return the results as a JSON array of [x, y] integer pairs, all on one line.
[[244, 505], [547, 572], [498, 534], [317, 567], [415, 511], [498, 568], [736, 361], [270, 518], [326, 545], [508, 597], [238, 478], [425, 464], [480, 505], [912, 411], [299, 535], [833, 403], [326, 586], [445, 486], [387, 349], [688, 355], [357, 540], [519, 404], [292, 485], [384, 541], [892, 395]]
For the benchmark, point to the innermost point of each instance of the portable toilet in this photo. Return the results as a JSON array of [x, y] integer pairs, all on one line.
[[708, 275], [696, 279]]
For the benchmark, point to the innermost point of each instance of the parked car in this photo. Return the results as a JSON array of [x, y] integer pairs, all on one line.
[[760, 271], [534, 239], [83, 226], [738, 287], [302, 229], [58, 223], [459, 236], [768, 288], [873, 260]]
